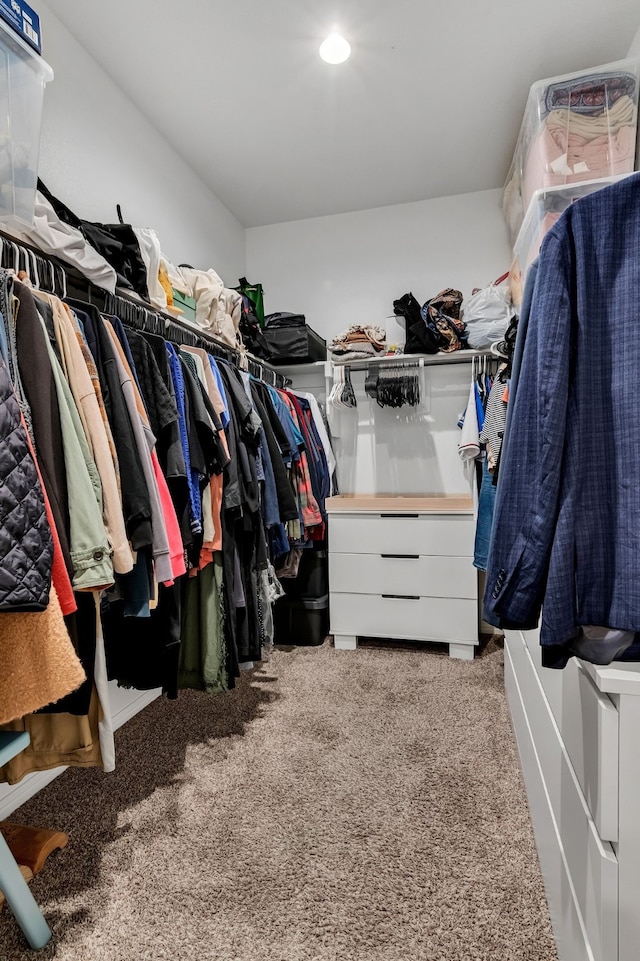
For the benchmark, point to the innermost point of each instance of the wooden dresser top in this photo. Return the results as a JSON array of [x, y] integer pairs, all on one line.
[[379, 503]]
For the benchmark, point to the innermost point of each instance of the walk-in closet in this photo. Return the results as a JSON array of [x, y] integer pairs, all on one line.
[[319, 500]]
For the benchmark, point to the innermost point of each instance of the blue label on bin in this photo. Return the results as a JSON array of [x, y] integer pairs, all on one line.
[[24, 21]]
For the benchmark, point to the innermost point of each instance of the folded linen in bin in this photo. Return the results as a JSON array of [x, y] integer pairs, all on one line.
[[572, 147]]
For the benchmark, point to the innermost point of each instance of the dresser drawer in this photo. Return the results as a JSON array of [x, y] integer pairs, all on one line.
[[436, 534], [590, 734], [560, 815], [588, 724], [403, 574], [420, 618]]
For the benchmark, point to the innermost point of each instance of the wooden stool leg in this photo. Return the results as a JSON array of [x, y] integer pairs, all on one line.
[[20, 900]]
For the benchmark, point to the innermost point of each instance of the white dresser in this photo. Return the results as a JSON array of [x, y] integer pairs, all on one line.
[[578, 734], [402, 567]]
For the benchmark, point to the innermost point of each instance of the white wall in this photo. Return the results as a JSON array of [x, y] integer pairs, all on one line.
[[405, 451], [634, 49], [98, 150], [349, 268]]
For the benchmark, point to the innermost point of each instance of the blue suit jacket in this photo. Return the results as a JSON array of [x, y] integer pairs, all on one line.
[[567, 514]]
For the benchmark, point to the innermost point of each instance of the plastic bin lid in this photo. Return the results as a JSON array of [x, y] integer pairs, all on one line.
[[629, 66], [9, 38], [542, 202]]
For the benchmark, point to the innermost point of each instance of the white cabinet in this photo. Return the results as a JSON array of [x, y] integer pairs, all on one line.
[[402, 567], [577, 733]]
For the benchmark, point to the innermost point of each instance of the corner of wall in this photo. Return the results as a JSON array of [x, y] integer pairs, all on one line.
[[634, 49], [98, 149]]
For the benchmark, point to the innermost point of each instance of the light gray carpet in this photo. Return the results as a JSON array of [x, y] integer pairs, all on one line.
[[337, 806]]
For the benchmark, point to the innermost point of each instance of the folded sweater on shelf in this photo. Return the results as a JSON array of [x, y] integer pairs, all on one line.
[[359, 341]]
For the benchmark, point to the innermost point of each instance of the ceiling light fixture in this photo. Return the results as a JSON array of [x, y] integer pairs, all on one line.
[[335, 49]]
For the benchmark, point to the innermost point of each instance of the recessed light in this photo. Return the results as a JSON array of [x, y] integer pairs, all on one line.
[[335, 49]]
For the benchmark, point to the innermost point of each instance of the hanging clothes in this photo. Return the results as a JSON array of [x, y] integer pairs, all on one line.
[[86, 400], [142, 652], [321, 429], [56, 740], [564, 532], [310, 514], [36, 639], [26, 546], [214, 390], [169, 482], [203, 656], [135, 495], [495, 419], [469, 443], [484, 522], [89, 546], [145, 442], [191, 524], [286, 505], [59, 575], [36, 374]]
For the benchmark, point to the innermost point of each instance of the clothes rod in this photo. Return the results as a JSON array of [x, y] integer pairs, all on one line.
[[59, 278], [428, 360], [207, 339]]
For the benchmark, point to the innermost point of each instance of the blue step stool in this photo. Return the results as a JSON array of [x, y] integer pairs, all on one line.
[[12, 884]]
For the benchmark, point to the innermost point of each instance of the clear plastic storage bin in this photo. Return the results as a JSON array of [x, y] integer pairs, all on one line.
[[576, 128], [544, 210], [23, 75]]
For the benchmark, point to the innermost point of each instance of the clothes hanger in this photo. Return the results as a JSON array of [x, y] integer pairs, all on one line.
[[340, 388], [7, 249], [20, 269], [371, 380], [342, 398], [36, 271], [158, 325], [47, 276], [140, 317], [16, 257], [350, 392], [35, 277], [63, 277], [333, 394], [43, 271], [29, 267]]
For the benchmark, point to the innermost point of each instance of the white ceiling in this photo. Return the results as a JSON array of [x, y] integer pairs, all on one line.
[[428, 105]]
